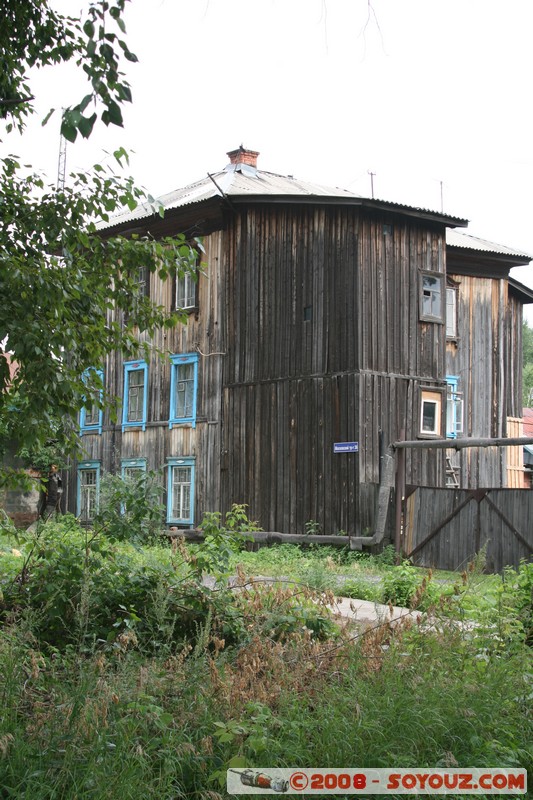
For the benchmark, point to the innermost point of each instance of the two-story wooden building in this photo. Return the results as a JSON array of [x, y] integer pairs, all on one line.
[[324, 327]]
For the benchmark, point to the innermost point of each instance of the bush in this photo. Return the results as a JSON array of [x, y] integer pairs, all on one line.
[[130, 508]]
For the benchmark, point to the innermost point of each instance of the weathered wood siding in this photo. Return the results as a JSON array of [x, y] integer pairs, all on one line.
[[201, 334], [486, 359], [324, 345]]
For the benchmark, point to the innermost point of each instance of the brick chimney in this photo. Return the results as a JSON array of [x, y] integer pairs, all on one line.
[[243, 156]]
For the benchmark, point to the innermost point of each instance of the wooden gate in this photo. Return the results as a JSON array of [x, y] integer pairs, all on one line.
[[445, 528]]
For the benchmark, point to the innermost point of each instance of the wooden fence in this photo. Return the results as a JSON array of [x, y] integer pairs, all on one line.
[[445, 528]]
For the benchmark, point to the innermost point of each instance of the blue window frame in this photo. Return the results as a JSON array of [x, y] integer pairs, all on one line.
[[454, 407], [183, 389], [180, 491], [131, 467], [91, 416], [135, 406], [88, 490]]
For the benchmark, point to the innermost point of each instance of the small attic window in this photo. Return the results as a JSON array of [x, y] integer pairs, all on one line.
[[308, 313], [387, 229]]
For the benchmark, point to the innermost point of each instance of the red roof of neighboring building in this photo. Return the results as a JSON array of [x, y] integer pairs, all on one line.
[[528, 421]]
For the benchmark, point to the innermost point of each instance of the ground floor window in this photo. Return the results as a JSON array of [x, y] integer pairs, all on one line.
[[88, 490], [180, 491], [133, 467]]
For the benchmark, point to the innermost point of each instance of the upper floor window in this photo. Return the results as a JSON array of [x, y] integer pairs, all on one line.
[[454, 408], [183, 389], [430, 413], [185, 297], [88, 490], [431, 296], [134, 409], [91, 414], [143, 281], [451, 312]]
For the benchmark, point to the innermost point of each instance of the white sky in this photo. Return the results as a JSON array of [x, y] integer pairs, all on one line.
[[417, 91]]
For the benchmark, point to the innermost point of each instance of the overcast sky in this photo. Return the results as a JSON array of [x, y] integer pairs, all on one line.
[[417, 91]]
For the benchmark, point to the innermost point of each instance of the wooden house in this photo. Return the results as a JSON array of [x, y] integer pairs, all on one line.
[[318, 333], [484, 359]]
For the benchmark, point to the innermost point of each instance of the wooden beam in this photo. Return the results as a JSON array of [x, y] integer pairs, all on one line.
[[461, 444]]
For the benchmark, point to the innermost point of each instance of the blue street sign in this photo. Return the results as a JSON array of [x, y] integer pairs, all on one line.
[[346, 447]]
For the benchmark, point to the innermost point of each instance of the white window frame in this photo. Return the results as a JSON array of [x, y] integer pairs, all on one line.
[[84, 468], [436, 295], [431, 397], [454, 408], [174, 517], [185, 297], [451, 312]]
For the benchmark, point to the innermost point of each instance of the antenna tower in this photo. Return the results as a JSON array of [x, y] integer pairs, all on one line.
[[61, 163]]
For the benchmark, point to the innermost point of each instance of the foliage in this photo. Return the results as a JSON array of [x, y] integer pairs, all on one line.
[[124, 675], [527, 373], [130, 508], [65, 304], [112, 724], [34, 35], [223, 538], [517, 598]]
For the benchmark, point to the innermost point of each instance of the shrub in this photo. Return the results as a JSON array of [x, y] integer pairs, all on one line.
[[130, 508]]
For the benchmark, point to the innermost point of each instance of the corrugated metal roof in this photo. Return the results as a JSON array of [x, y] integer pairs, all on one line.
[[456, 238], [244, 181]]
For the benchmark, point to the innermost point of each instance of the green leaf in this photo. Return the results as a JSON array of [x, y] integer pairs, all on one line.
[[88, 29], [45, 120], [115, 114], [86, 125], [68, 131]]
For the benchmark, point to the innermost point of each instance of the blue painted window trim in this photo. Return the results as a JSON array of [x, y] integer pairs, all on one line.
[[84, 466], [129, 367], [186, 461], [97, 426], [135, 463], [454, 425], [176, 361]]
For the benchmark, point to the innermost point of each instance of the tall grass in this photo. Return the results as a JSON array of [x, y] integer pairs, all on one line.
[[259, 677]]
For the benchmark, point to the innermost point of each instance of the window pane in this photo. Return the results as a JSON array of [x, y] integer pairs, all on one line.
[[429, 416], [88, 497], [431, 296], [133, 473], [185, 292], [184, 390], [181, 492], [451, 314], [92, 415], [135, 395]]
